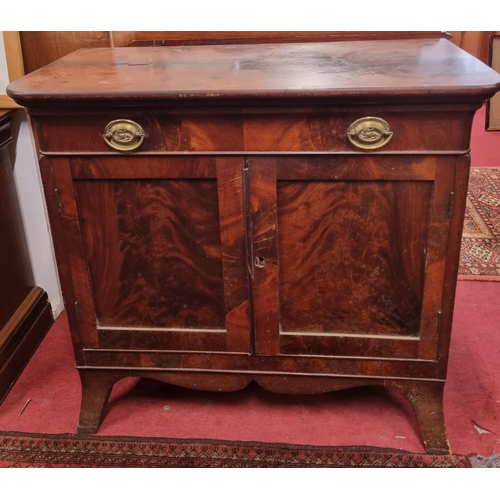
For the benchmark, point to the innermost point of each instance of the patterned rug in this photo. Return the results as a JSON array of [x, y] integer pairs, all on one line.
[[19, 450], [480, 253]]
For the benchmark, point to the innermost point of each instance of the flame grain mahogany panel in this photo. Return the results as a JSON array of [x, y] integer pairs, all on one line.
[[328, 257], [154, 253], [340, 275], [150, 234]]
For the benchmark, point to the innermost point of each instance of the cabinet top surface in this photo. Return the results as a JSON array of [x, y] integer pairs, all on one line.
[[372, 70]]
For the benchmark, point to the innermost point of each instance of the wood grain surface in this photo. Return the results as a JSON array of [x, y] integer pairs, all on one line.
[[154, 252], [247, 129], [338, 274], [421, 70]]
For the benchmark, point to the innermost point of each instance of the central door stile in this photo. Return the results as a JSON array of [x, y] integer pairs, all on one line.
[[233, 243], [264, 265]]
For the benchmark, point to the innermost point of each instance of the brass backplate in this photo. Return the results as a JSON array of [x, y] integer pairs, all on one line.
[[369, 133], [123, 135]]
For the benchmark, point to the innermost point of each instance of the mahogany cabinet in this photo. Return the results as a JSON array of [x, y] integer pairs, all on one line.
[[289, 214]]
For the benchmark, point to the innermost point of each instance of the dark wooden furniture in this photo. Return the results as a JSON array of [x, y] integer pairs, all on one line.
[[25, 313], [289, 214]]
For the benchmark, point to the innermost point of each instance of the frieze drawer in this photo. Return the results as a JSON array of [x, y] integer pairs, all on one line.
[[220, 130]]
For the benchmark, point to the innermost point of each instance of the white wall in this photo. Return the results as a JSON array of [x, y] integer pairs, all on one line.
[[31, 200], [4, 75]]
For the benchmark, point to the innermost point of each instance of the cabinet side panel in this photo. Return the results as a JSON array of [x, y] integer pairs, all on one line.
[[154, 252]]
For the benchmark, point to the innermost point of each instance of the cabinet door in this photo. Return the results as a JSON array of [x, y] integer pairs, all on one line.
[[157, 251], [349, 253]]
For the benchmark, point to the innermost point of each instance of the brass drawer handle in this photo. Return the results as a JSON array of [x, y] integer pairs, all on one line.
[[369, 133], [123, 135]]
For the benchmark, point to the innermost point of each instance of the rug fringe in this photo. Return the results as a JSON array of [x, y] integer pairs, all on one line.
[[491, 462]]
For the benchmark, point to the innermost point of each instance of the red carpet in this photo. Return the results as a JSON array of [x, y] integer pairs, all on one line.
[[359, 417], [485, 146]]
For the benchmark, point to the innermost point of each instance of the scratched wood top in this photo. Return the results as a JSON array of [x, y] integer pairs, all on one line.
[[424, 70]]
